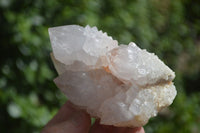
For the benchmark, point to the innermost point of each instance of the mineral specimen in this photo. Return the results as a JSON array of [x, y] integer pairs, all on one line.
[[122, 85]]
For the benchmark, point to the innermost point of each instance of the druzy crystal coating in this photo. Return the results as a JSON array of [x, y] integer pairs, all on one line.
[[122, 85]]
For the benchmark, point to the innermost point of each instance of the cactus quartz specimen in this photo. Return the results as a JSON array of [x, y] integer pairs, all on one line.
[[122, 85]]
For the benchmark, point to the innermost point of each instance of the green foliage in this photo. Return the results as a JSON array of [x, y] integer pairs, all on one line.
[[28, 96]]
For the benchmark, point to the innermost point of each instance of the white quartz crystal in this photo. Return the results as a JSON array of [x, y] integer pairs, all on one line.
[[75, 43], [141, 67], [121, 85]]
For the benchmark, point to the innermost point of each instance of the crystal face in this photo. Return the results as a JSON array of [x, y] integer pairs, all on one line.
[[75, 43], [122, 85]]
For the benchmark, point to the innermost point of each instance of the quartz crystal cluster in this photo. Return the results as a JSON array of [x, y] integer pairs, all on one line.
[[122, 85]]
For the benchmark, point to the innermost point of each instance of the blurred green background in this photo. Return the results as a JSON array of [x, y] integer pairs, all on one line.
[[169, 28]]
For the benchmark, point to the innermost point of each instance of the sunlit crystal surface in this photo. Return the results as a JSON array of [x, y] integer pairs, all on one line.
[[75, 43], [122, 85]]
